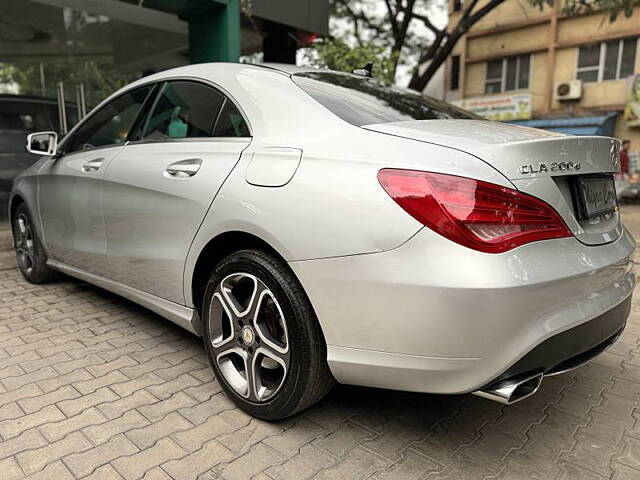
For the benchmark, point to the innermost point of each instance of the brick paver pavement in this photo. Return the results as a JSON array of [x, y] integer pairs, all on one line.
[[93, 386]]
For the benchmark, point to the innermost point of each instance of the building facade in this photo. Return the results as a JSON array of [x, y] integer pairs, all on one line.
[[541, 68]]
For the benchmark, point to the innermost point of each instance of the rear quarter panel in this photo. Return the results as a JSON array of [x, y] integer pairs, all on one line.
[[334, 205]]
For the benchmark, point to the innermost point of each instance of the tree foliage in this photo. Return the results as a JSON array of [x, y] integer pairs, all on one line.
[[406, 32], [612, 8], [336, 54]]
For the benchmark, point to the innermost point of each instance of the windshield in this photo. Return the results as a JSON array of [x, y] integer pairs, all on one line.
[[364, 101]]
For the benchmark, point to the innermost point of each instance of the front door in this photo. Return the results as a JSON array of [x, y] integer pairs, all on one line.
[[158, 190], [70, 193]]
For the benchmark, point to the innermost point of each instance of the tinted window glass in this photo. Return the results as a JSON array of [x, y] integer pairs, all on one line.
[[628, 57], [110, 125], [588, 76], [494, 70], [589, 56], [231, 123], [184, 110], [493, 87], [363, 101], [512, 69], [523, 73], [144, 113], [611, 60], [455, 72]]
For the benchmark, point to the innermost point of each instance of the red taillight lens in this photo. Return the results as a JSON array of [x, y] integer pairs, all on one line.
[[478, 215]]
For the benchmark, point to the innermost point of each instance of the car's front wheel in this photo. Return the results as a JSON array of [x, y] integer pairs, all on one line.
[[262, 337], [30, 255]]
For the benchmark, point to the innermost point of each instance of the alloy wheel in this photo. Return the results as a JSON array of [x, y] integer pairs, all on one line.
[[25, 249], [249, 337]]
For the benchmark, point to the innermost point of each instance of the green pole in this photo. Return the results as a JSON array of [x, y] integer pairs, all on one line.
[[214, 35]]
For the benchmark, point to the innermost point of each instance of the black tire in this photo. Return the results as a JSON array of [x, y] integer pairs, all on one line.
[[307, 378], [30, 255]]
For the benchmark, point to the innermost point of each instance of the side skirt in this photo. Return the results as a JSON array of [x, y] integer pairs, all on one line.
[[182, 316]]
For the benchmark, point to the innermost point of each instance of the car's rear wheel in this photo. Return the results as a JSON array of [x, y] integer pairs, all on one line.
[[262, 337], [30, 255]]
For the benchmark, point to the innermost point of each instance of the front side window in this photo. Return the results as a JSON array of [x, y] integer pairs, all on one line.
[[111, 124], [363, 101], [505, 74], [184, 110], [612, 60]]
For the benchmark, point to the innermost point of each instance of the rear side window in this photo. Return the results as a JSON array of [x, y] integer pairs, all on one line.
[[184, 110], [231, 122], [364, 101]]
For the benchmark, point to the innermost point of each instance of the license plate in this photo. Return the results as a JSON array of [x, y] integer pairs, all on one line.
[[597, 195]]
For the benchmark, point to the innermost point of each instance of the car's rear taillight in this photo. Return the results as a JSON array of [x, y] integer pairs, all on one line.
[[476, 214]]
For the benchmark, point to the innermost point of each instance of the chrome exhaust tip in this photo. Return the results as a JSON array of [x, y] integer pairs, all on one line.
[[512, 390]]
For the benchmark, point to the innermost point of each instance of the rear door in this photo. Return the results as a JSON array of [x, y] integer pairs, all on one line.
[[160, 187], [70, 186]]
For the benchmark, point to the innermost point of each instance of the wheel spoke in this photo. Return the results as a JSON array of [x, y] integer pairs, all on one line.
[[226, 347], [269, 369], [256, 299], [22, 228], [233, 365], [270, 324], [223, 323], [252, 375]]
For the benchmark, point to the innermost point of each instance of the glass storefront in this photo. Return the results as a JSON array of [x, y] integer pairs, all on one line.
[[88, 48]]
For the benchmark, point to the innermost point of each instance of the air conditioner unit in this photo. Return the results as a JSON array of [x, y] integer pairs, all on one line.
[[571, 90]]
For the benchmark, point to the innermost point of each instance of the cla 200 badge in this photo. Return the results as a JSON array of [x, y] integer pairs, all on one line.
[[552, 167]]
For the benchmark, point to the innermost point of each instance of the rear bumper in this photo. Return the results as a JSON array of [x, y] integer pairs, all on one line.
[[432, 316], [573, 347]]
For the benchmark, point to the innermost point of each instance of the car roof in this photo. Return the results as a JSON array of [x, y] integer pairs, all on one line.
[[286, 68], [229, 68]]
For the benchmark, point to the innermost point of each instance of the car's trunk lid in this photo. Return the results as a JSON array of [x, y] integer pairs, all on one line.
[[548, 165]]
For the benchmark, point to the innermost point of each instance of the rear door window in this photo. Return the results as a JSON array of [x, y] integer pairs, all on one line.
[[231, 123], [183, 109]]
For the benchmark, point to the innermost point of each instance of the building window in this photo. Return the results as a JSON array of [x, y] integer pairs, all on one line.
[[611, 60], [457, 5], [511, 73], [455, 72]]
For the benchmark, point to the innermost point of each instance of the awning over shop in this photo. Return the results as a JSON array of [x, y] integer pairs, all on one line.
[[600, 125]]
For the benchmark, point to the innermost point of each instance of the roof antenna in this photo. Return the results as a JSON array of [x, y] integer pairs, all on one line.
[[367, 71]]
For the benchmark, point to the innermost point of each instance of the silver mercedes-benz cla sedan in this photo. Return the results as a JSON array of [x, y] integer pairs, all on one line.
[[315, 226]]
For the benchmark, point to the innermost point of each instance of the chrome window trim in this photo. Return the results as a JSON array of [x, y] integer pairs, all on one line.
[[152, 82], [97, 149], [191, 139]]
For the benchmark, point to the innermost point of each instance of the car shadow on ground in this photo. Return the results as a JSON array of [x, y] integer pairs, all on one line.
[[460, 432]]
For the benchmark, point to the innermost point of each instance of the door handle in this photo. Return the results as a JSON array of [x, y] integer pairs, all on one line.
[[92, 165], [183, 168]]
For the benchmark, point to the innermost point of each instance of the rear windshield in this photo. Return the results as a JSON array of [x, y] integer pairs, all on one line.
[[364, 101]]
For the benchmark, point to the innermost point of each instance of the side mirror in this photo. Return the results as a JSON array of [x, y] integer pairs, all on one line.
[[42, 143]]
